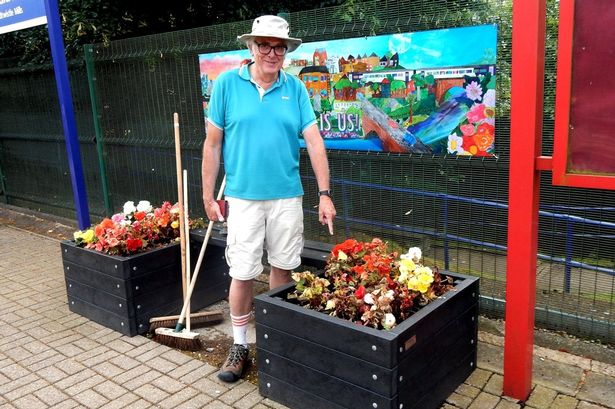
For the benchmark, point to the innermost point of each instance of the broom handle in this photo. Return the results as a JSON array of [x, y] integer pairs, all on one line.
[[180, 198], [210, 227], [187, 230]]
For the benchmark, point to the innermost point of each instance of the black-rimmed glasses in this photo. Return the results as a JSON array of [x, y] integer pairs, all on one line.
[[279, 50]]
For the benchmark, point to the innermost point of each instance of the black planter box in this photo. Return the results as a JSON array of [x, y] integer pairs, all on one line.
[[123, 293], [307, 359]]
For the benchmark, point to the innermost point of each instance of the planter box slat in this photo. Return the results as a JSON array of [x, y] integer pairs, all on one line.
[[123, 267], [83, 274], [124, 288], [101, 299], [134, 306], [119, 323], [288, 394], [423, 359]]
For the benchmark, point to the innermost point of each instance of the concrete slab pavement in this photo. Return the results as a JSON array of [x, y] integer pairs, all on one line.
[[52, 358]]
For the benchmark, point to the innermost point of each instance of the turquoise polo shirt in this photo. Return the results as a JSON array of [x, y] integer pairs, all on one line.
[[261, 133]]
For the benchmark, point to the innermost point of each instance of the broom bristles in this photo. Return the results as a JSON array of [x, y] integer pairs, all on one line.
[[184, 340], [196, 320]]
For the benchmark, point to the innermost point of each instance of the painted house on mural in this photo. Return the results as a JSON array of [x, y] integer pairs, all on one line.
[[345, 90], [316, 77], [372, 61], [389, 60], [319, 57], [352, 64], [317, 80]]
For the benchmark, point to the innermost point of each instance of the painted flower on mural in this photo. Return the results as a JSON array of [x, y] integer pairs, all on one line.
[[476, 114], [484, 136], [477, 130], [366, 283], [455, 144], [474, 91], [135, 229]]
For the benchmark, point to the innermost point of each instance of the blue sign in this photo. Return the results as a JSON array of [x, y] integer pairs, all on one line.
[[19, 14]]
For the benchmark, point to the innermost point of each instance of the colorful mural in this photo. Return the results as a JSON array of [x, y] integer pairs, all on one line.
[[423, 92]]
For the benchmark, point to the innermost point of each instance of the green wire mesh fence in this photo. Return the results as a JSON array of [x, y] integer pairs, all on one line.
[[455, 208]]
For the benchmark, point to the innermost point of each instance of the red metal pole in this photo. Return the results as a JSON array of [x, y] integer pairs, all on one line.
[[528, 45]]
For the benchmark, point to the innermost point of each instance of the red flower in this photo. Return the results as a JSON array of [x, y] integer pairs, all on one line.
[[140, 216], [133, 245], [163, 221], [346, 247], [360, 292], [104, 225]]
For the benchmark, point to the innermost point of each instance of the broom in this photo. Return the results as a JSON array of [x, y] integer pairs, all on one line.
[[187, 233], [178, 337], [199, 318]]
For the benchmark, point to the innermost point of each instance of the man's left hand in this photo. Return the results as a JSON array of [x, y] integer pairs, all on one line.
[[326, 212]]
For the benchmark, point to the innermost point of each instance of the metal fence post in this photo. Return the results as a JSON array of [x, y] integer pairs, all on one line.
[[3, 186], [567, 266], [88, 50], [446, 232]]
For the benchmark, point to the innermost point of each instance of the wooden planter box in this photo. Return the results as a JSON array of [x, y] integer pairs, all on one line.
[[307, 359], [123, 293]]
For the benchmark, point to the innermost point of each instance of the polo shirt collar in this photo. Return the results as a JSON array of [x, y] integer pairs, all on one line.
[[244, 73]]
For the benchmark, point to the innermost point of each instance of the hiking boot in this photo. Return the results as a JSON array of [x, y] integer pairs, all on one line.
[[236, 362]]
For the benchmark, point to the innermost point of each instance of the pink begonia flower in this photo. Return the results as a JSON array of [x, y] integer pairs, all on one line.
[[476, 113], [467, 129], [474, 91], [117, 218]]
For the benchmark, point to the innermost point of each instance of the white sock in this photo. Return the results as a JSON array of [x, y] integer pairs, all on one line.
[[240, 328]]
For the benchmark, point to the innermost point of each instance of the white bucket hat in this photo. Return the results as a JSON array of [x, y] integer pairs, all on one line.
[[271, 26]]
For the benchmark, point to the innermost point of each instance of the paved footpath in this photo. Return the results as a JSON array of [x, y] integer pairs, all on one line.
[[52, 358]]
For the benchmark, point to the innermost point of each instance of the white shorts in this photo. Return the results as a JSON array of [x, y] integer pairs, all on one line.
[[276, 223]]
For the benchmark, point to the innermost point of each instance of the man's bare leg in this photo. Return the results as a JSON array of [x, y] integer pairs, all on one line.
[[278, 277]]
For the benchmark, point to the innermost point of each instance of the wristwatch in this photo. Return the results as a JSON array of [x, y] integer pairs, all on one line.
[[324, 193]]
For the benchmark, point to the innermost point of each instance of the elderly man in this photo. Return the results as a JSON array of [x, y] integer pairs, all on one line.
[[255, 116]]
